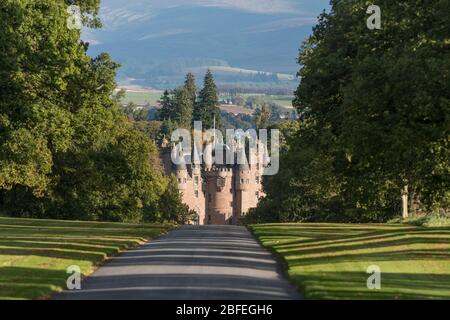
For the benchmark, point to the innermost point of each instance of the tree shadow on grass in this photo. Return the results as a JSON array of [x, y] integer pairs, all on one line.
[[30, 283], [62, 247], [404, 249], [321, 247], [75, 232], [58, 253], [304, 236], [381, 245], [353, 285], [82, 241]]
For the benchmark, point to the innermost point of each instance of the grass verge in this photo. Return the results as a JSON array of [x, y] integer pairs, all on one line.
[[35, 254], [329, 261]]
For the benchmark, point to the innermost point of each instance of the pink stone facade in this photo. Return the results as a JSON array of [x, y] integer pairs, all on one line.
[[220, 194]]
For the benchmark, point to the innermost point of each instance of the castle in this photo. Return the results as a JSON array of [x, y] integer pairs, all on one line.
[[221, 193]]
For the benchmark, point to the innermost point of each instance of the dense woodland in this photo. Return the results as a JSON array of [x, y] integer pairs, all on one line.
[[373, 139], [67, 150]]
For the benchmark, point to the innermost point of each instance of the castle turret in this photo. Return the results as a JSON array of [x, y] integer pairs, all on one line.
[[197, 178], [182, 176], [243, 177], [181, 171], [243, 171]]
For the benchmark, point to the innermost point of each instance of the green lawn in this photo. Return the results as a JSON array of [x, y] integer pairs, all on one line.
[[142, 97], [329, 261], [34, 254]]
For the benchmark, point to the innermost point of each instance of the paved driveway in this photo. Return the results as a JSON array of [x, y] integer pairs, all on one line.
[[191, 263]]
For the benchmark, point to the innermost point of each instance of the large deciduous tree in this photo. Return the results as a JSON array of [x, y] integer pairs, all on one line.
[[383, 96], [66, 148], [374, 108]]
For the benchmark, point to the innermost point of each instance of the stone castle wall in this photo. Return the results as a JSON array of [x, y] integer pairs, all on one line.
[[220, 195], [225, 195]]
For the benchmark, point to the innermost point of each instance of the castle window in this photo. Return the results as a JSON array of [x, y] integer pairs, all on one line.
[[196, 180], [257, 166], [179, 180], [257, 180], [231, 190], [242, 181], [196, 193]]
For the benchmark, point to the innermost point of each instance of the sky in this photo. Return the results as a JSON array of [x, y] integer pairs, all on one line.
[[117, 12], [261, 6], [262, 35]]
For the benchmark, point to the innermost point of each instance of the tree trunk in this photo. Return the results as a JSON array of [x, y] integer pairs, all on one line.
[[413, 203], [405, 212]]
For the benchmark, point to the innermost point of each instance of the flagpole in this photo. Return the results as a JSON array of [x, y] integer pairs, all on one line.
[[214, 131]]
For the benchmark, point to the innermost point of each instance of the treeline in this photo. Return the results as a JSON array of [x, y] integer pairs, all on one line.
[[66, 148], [373, 139], [258, 79], [284, 89], [184, 105]]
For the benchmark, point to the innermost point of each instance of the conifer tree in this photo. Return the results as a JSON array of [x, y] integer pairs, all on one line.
[[166, 110], [206, 108], [183, 108], [190, 86]]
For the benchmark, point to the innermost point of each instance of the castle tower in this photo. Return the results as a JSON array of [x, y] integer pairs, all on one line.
[[189, 185], [180, 167], [247, 183], [198, 201], [219, 193], [219, 196]]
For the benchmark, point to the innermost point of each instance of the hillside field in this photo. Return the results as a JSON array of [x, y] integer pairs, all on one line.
[[142, 98], [35, 254], [330, 261], [152, 97]]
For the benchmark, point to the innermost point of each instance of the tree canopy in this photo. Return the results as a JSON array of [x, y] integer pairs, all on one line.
[[67, 150], [374, 107]]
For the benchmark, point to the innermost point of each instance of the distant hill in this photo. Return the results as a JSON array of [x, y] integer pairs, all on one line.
[[247, 42]]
